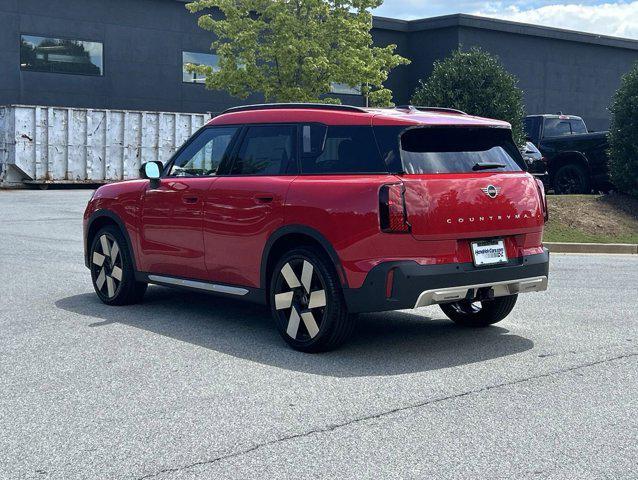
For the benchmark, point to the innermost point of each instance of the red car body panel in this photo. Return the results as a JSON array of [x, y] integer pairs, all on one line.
[[240, 214], [217, 228], [171, 240], [344, 210], [120, 201]]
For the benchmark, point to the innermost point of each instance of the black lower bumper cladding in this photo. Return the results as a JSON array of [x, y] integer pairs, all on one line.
[[410, 280]]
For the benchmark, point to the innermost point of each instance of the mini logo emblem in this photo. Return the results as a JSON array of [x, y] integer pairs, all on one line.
[[491, 191]]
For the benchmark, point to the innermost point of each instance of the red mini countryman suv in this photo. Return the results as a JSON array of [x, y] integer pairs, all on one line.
[[324, 211]]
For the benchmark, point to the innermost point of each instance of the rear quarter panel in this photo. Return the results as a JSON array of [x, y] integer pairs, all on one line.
[[344, 209]]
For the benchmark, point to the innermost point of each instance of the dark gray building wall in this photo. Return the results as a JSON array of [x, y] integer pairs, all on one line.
[[558, 74], [143, 43], [427, 46], [144, 39], [400, 76]]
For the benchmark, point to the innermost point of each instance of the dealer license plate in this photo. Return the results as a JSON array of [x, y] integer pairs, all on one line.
[[489, 252]]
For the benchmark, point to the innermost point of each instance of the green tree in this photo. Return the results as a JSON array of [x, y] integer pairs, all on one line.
[[623, 135], [474, 81], [294, 50]]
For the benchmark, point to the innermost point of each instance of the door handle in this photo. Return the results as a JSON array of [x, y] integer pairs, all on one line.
[[191, 199], [263, 198]]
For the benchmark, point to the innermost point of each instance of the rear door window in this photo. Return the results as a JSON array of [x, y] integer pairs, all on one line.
[[339, 149], [267, 150], [459, 150]]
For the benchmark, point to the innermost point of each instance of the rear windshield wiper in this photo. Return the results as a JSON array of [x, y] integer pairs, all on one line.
[[487, 166]]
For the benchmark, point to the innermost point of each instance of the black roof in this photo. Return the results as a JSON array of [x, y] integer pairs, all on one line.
[[309, 106]]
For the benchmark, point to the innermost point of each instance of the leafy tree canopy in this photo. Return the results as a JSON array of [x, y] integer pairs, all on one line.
[[623, 135], [294, 50], [474, 81]]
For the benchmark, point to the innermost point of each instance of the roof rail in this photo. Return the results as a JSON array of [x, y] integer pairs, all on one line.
[[308, 106], [431, 109]]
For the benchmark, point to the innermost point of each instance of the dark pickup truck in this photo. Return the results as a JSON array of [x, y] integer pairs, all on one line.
[[574, 159]]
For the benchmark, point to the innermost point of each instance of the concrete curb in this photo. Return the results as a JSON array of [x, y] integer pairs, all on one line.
[[619, 248]]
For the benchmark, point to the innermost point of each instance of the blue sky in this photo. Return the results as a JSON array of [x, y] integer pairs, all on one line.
[[603, 17]]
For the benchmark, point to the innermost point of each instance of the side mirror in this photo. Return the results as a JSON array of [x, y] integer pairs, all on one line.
[[152, 171]]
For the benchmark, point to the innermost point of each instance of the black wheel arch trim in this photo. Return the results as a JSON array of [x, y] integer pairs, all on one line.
[[105, 213], [303, 230]]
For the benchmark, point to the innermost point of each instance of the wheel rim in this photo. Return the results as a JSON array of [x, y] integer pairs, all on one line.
[[569, 180], [300, 299], [106, 266]]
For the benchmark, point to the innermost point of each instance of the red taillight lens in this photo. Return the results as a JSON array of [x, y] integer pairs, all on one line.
[[543, 198], [392, 214]]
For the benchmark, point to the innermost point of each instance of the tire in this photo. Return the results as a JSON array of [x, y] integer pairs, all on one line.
[[479, 314], [571, 179], [307, 302], [112, 271]]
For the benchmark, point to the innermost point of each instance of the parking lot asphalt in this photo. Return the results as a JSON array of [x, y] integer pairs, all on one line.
[[187, 385]]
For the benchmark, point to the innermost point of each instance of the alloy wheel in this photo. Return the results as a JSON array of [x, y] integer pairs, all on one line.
[[106, 266], [300, 299]]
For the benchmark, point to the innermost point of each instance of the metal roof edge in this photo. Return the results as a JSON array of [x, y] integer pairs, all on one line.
[[488, 23]]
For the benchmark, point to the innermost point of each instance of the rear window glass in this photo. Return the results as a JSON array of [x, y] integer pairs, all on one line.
[[459, 150], [559, 127], [340, 149]]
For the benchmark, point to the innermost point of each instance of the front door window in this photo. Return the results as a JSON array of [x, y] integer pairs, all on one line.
[[203, 155]]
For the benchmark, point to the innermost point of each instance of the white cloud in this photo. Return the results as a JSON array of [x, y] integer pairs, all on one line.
[[617, 19]]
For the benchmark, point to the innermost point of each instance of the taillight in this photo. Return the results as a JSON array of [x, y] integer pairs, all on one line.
[[392, 213], [543, 198]]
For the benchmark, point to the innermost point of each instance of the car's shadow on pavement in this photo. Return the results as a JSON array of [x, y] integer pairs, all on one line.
[[389, 343]]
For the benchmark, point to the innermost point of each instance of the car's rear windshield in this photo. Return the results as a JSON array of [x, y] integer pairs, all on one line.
[[559, 127], [459, 150]]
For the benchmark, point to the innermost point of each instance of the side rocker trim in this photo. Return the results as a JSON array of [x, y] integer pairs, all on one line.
[[209, 287], [239, 292]]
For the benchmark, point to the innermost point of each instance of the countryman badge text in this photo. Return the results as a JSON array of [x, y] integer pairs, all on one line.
[[490, 218]]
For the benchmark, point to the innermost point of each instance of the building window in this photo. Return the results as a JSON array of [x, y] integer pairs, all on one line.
[[193, 58], [57, 55], [343, 89]]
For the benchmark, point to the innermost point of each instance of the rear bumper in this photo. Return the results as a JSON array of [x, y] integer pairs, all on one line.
[[417, 285]]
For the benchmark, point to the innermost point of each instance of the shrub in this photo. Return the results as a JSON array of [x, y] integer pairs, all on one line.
[[474, 81], [623, 135]]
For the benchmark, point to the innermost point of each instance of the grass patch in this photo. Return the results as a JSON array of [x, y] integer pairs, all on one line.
[[592, 219]]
